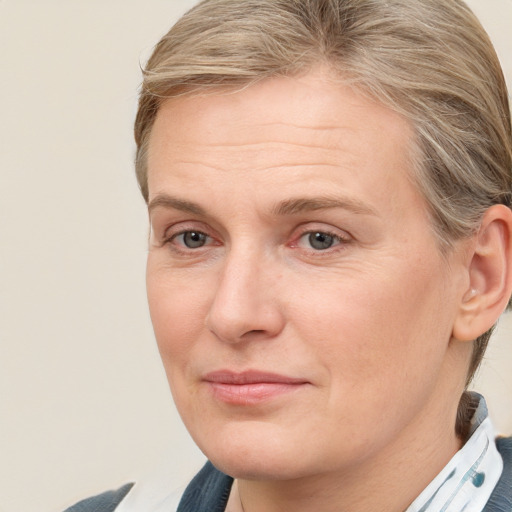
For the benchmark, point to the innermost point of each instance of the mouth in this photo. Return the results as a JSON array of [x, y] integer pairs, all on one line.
[[250, 387]]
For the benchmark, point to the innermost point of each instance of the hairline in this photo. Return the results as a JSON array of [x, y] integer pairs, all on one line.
[[414, 151]]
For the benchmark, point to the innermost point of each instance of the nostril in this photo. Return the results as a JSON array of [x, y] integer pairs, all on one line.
[[252, 333]]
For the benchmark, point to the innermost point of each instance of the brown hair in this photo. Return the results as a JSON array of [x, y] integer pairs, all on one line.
[[429, 60]]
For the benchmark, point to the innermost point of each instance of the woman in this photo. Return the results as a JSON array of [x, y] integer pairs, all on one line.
[[329, 188]]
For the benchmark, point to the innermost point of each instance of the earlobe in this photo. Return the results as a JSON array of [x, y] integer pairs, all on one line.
[[490, 275]]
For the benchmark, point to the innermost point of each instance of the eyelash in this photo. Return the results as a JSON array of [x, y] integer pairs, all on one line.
[[182, 247], [339, 241]]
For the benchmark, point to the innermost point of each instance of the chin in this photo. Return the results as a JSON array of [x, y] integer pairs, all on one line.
[[258, 467], [260, 453], [246, 454]]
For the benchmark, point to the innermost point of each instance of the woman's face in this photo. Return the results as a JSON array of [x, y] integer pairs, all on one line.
[[301, 307]]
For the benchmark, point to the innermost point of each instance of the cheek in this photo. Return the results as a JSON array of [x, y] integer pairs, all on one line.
[[375, 332], [178, 308]]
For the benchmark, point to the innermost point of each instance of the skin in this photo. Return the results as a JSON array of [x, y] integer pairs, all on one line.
[[365, 324]]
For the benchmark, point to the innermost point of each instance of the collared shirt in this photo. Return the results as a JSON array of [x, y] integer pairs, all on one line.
[[468, 480]]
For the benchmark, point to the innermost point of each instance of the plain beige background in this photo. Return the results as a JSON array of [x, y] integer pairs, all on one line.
[[84, 404]]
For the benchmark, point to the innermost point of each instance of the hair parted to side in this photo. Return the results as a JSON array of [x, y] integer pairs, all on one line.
[[429, 60]]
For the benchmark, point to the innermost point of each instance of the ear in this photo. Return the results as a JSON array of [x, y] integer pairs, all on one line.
[[490, 275]]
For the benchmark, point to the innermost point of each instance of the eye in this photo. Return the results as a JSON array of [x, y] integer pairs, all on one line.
[[191, 239], [320, 240]]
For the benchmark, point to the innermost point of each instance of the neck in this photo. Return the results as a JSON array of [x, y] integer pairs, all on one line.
[[389, 482]]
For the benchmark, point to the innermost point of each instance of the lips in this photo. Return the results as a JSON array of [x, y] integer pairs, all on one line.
[[250, 387]]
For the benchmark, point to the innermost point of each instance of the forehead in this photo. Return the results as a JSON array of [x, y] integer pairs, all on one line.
[[307, 134], [314, 107]]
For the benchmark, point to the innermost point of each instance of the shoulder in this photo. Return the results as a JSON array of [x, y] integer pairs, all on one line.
[[505, 447], [501, 498], [207, 492], [105, 502]]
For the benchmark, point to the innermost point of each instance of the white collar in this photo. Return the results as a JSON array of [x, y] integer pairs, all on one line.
[[151, 497], [467, 481]]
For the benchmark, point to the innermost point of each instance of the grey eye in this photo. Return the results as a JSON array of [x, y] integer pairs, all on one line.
[[193, 239], [320, 241]]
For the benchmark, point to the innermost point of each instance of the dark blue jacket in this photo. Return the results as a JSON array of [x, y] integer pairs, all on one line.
[[209, 490]]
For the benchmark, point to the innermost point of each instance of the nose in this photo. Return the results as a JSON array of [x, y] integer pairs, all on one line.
[[246, 304]]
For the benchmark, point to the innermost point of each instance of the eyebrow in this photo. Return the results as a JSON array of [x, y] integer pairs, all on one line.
[[169, 202], [287, 207], [308, 204]]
